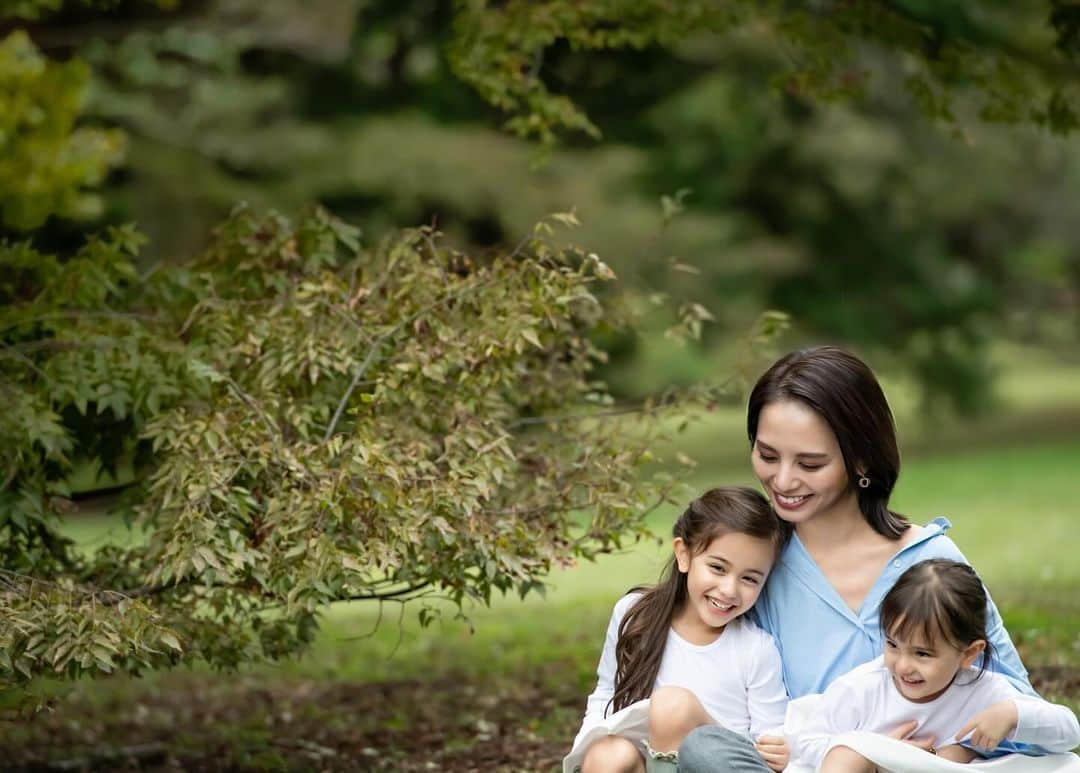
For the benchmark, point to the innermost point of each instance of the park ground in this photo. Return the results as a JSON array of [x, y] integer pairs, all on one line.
[[505, 691]]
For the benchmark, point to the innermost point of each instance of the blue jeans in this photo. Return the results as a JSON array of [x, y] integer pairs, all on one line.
[[715, 749]]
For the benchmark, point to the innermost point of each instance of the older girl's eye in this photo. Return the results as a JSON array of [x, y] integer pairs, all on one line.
[[751, 580], [718, 569]]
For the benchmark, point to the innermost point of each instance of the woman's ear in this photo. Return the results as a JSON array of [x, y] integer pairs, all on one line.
[[682, 554], [971, 652]]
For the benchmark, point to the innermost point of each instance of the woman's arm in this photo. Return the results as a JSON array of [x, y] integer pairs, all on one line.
[[1006, 661]]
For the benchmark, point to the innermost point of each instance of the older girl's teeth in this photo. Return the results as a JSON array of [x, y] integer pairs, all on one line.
[[720, 606]]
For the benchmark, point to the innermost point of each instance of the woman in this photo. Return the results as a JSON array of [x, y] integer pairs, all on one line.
[[823, 445]]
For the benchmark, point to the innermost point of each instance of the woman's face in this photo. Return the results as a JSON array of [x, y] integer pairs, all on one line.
[[799, 463]]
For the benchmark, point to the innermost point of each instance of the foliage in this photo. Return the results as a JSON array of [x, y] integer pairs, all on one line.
[[500, 49], [31, 10], [46, 163], [323, 422]]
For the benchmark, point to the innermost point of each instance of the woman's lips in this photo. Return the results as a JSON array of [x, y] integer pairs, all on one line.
[[790, 503]]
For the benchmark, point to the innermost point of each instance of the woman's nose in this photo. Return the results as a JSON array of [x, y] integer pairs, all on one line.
[[786, 478]]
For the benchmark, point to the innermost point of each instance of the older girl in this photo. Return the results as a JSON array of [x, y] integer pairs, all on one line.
[[823, 446], [681, 654]]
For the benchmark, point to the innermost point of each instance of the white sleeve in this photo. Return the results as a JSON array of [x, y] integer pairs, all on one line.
[[597, 703], [813, 720], [766, 697], [1045, 724]]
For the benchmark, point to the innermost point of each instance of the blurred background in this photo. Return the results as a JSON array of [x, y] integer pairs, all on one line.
[[946, 252]]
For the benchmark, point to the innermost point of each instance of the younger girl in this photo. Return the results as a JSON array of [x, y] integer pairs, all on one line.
[[926, 682], [684, 645]]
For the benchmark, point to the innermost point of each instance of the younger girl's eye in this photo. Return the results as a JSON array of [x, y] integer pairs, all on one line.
[[921, 654], [890, 644]]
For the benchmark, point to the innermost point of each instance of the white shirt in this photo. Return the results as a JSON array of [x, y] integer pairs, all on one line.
[[866, 698], [737, 678]]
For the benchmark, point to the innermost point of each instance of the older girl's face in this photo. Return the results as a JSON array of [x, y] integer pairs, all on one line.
[[798, 461]]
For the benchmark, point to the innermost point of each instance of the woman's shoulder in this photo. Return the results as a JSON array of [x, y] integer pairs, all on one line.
[[930, 541]]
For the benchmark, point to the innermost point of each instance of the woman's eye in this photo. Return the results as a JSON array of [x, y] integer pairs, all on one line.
[[766, 457], [812, 467]]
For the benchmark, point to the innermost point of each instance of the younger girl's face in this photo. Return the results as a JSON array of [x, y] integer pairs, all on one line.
[[722, 582], [799, 463], [922, 670]]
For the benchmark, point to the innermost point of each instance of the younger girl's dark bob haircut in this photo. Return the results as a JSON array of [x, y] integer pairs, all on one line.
[[938, 600]]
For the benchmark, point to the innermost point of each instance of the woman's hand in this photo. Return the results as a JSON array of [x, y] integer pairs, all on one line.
[[989, 727], [900, 733], [774, 750]]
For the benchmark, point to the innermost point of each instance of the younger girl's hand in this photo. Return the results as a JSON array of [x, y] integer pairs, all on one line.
[[774, 750], [901, 733], [989, 727]]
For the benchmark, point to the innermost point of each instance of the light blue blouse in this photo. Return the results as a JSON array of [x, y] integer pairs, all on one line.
[[820, 637]]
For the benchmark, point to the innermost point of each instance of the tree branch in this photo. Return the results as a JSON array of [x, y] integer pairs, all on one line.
[[370, 358], [981, 36]]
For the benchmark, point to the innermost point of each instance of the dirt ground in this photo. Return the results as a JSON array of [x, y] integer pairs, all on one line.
[[244, 724]]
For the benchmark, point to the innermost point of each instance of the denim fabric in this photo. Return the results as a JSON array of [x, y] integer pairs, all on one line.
[[715, 749]]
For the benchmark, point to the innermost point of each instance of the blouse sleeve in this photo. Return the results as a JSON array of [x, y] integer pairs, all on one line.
[[766, 696], [1049, 725], [597, 703]]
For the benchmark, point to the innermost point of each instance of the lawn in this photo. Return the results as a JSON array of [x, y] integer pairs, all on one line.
[[505, 691]]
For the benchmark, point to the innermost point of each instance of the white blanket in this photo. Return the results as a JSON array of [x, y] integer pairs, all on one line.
[[892, 756], [631, 723]]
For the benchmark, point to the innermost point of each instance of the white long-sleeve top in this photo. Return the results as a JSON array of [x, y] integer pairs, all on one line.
[[866, 698], [737, 677]]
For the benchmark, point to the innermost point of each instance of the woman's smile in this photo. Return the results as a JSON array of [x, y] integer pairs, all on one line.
[[789, 502]]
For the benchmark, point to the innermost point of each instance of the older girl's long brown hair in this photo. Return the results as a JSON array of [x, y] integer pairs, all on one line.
[[643, 631]]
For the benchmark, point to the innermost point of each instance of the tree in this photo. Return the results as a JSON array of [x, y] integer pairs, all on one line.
[[316, 422]]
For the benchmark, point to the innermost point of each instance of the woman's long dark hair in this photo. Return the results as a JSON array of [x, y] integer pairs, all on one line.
[[842, 389], [938, 599], [643, 631]]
